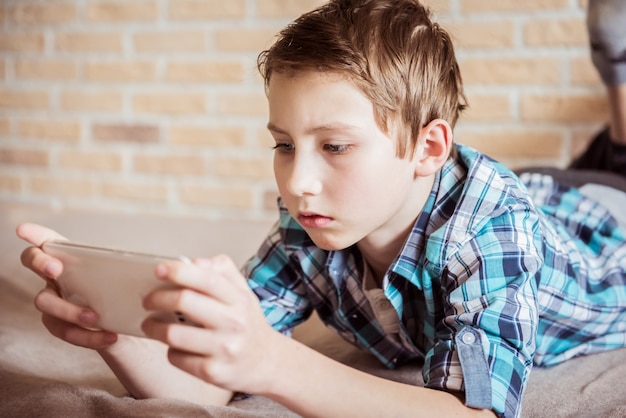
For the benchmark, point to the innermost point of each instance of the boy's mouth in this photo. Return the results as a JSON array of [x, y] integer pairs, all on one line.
[[313, 220]]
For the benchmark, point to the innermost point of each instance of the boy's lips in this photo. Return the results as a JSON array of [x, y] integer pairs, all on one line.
[[313, 220]]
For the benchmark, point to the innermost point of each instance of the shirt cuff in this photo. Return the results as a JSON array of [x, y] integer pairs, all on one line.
[[476, 378]]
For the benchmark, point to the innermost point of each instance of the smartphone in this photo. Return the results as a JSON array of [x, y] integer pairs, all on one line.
[[111, 282]]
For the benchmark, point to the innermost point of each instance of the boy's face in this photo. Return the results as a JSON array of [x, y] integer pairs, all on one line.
[[336, 171]]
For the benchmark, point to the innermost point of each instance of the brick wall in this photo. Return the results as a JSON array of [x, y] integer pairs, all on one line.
[[155, 105]]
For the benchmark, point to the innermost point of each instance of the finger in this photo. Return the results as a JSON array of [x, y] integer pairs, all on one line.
[[195, 340], [37, 234], [196, 307], [67, 321], [76, 335], [218, 280], [41, 263], [225, 265], [204, 367], [50, 303], [33, 257]]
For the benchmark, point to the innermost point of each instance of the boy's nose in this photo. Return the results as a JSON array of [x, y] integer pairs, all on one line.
[[304, 179]]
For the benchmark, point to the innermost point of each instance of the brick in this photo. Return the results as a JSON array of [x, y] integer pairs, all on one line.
[[244, 40], [5, 127], [264, 139], [206, 9], [46, 70], [120, 71], [202, 136], [133, 133], [49, 129], [170, 103], [563, 32], [269, 200], [258, 81], [24, 157], [175, 165], [205, 72], [21, 42], [105, 101], [564, 108], [246, 168], [90, 161], [285, 8], [498, 34], [122, 11], [2, 70], [581, 140], [44, 13], [515, 144], [62, 187], [20, 99], [170, 41], [135, 191], [10, 184], [479, 6], [488, 107], [438, 7], [216, 197], [514, 71], [243, 104], [88, 42], [582, 71]]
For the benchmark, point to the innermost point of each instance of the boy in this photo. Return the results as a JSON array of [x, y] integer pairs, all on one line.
[[409, 246]]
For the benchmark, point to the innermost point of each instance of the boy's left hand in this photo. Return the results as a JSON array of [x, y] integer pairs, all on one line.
[[234, 348]]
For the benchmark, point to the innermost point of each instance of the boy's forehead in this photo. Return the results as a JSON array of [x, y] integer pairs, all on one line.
[[345, 103], [317, 101], [311, 86], [315, 87]]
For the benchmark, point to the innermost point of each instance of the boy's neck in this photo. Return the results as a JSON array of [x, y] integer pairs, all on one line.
[[379, 261], [381, 248]]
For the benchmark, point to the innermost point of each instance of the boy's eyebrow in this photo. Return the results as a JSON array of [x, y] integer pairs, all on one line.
[[334, 126]]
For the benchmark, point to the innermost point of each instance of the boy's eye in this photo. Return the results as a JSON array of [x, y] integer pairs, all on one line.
[[336, 149], [283, 147]]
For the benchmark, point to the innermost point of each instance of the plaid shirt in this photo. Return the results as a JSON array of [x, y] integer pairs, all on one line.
[[493, 277]]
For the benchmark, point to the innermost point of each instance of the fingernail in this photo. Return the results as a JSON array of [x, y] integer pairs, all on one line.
[[52, 269], [110, 338], [88, 317], [161, 271], [144, 326]]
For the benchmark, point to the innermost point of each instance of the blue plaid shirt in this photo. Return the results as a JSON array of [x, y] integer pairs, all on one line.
[[495, 276]]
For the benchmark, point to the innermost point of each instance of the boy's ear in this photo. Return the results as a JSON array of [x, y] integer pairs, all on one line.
[[434, 146]]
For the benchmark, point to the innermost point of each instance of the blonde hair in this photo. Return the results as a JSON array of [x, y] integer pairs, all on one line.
[[390, 49]]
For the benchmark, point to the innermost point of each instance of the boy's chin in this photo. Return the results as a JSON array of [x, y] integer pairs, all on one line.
[[330, 243]]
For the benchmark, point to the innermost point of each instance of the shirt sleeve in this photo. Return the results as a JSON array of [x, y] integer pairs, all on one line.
[[277, 282], [486, 336]]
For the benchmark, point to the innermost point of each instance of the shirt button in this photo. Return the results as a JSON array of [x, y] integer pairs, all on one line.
[[383, 304], [468, 338]]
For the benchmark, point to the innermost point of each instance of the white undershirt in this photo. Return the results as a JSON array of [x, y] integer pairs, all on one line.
[[382, 307]]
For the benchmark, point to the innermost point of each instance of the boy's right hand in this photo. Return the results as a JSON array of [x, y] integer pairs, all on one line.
[[63, 319]]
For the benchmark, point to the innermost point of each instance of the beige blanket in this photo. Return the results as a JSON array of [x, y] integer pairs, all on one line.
[[41, 376]]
